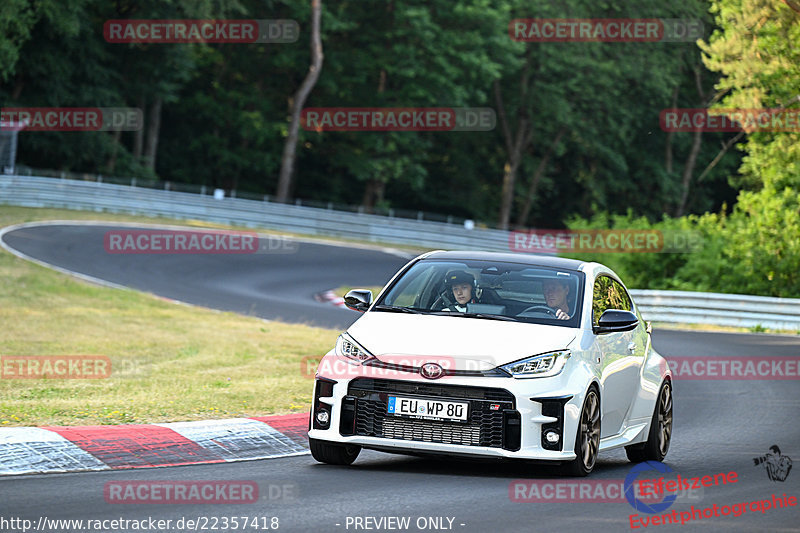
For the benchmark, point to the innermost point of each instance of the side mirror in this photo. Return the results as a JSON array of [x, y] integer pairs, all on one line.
[[358, 299], [616, 320]]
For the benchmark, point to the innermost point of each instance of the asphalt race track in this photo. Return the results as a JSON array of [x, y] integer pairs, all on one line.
[[278, 286], [720, 426]]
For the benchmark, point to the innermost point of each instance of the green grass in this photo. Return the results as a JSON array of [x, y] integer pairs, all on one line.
[[170, 362]]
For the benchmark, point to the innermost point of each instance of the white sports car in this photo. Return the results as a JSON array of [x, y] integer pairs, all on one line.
[[494, 355]]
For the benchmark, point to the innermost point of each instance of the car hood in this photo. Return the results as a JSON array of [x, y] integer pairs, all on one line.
[[473, 343]]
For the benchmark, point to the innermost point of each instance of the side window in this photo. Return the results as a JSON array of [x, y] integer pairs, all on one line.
[[600, 297], [618, 297], [608, 294]]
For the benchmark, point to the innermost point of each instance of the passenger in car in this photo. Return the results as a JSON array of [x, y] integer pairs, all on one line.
[[461, 285], [555, 294]]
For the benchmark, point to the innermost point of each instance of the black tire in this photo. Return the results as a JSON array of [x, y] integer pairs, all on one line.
[[587, 440], [333, 453], [658, 439]]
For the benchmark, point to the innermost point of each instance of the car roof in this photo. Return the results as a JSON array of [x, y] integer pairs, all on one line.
[[526, 259]]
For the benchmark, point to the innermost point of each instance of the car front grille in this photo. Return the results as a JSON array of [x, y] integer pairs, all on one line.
[[364, 412], [431, 431]]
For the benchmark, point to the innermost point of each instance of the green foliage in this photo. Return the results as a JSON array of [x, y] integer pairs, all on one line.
[[225, 106], [19, 17], [642, 270], [757, 50], [754, 250], [16, 19], [757, 248]]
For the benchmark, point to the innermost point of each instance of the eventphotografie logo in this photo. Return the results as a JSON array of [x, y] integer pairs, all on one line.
[[152, 241], [646, 30], [777, 466], [174, 31], [398, 119], [658, 514], [70, 119], [640, 501]]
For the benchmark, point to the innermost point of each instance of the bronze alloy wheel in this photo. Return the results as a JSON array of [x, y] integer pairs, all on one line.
[[587, 439], [664, 419], [590, 430], [657, 444]]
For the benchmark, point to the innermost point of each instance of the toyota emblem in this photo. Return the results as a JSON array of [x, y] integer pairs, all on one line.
[[431, 371]]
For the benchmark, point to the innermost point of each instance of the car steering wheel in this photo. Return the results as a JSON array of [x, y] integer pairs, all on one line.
[[539, 308], [442, 300]]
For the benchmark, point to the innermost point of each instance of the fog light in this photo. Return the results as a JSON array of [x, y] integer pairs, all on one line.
[[323, 417], [550, 436]]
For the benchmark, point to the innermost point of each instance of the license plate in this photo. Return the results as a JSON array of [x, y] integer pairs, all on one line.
[[428, 409]]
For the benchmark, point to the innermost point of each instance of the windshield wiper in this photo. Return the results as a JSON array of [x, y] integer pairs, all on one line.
[[398, 309], [486, 315]]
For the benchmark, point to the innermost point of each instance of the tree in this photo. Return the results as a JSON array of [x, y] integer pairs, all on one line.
[[287, 161], [582, 111], [754, 249], [756, 50]]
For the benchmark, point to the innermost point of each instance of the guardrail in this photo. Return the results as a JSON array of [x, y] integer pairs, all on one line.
[[719, 309], [33, 191], [413, 214], [662, 306]]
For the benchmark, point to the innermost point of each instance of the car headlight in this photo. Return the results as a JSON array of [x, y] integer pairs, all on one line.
[[347, 347], [538, 366]]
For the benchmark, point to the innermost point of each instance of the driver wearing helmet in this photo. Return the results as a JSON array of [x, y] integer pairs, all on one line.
[[555, 295], [462, 286]]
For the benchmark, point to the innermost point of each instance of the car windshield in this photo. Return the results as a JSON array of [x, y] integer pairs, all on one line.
[[490, 290]]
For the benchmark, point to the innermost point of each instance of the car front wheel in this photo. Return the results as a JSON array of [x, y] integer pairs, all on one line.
[[587, 442], [333, 453]]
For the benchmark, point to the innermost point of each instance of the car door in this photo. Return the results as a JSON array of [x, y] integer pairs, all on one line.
[[621, 355]]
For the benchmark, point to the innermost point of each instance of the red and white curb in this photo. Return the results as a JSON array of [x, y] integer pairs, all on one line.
[[330, 297], [38, 450]]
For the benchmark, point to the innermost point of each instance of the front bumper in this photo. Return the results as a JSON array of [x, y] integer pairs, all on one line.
[[507, 419]]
